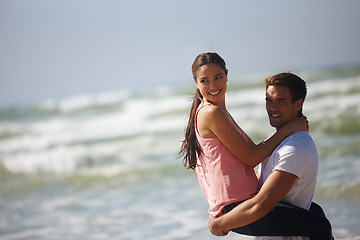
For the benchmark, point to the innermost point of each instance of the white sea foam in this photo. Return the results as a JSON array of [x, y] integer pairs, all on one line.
[[77, 102], [114, 158]]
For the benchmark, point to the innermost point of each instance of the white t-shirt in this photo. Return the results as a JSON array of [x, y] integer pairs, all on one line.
[[297, 154]]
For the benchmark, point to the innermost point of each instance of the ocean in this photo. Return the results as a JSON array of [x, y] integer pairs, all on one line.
[[106, 166]]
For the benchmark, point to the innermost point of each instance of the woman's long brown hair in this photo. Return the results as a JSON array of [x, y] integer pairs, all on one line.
[[190, 148]]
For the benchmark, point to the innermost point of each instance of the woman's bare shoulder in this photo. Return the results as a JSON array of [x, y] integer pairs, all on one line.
[[212, 111]]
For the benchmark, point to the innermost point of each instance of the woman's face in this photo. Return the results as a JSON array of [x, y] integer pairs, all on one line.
[[211, 80]]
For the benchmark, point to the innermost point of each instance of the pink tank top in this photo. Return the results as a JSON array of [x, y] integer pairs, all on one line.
[[223, 178]]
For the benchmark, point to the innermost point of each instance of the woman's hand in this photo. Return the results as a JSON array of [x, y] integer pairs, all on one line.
[[297, 124]]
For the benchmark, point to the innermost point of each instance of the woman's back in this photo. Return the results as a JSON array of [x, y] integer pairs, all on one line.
[[223, 178]]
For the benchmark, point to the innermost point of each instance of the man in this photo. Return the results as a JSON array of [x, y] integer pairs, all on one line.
[[290, 173]]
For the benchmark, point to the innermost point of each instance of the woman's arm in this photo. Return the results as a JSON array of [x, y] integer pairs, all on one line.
[[213, 122]]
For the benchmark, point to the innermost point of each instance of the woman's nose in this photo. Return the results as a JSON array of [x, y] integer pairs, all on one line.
[[213, 85]]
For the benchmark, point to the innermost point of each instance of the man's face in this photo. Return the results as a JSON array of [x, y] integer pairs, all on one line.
[[279, 106]]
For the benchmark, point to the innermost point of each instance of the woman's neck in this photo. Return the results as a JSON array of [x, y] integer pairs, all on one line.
[[219, 104]]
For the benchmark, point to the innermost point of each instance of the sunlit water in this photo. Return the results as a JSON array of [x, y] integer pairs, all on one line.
[[105, 166]]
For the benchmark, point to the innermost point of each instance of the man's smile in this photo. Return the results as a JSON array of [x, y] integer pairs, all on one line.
[[275, 115]]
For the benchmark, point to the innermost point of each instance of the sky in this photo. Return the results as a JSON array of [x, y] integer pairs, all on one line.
[[54, 49]]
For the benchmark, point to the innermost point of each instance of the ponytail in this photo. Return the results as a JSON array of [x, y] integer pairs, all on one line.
[[190, 148]]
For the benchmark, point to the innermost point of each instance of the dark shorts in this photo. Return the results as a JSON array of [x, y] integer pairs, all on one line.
[[288, 220]]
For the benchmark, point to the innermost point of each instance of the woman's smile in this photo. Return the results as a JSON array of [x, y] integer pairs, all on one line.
[[215, 93]]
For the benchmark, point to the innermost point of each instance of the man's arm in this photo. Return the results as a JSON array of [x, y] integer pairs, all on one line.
[[276, 186]]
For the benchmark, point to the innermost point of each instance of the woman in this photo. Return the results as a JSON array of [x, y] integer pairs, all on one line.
[[216, 147]]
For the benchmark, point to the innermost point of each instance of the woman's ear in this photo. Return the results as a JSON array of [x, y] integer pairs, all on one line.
[[195, 82]]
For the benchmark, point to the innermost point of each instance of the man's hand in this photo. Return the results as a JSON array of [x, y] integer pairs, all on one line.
[[214, 228]]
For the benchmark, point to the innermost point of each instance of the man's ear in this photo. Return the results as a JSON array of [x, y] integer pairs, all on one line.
[[299, 104]]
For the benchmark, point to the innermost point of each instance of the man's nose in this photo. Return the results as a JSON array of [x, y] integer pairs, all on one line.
[[274, 106]]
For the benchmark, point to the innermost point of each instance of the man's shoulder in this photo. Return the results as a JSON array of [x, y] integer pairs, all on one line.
[[298, 147], [298, 136], [301, 140]]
